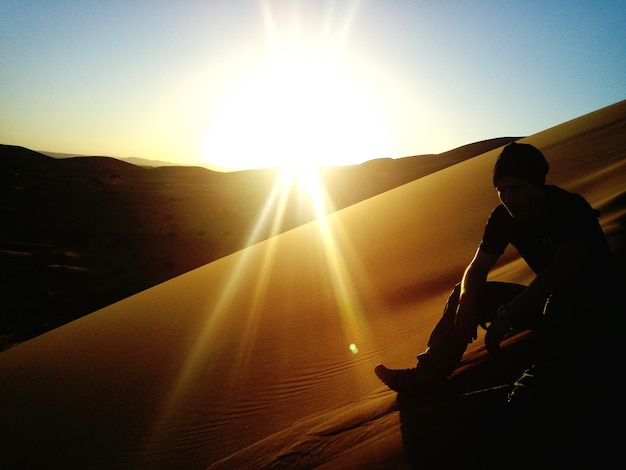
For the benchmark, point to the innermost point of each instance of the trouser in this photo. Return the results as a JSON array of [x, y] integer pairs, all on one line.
[[562, 321]]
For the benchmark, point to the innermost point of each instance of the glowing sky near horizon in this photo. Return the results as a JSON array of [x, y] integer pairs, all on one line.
[[259, 83]]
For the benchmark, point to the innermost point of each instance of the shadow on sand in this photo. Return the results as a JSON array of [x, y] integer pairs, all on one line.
[[474, 426]]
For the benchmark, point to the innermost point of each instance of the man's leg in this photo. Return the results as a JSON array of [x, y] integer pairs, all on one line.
[[574, 386], [445, 347]]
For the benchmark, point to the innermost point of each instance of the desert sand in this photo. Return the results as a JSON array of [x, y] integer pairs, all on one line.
[[264, 358]]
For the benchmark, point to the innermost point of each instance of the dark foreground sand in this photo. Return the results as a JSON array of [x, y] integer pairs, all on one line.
[[247, 362]]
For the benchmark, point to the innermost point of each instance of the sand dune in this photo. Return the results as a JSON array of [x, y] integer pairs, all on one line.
[[247, 362], [82, 233]]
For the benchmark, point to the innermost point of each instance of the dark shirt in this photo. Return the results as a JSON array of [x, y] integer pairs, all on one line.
[[567, 217]]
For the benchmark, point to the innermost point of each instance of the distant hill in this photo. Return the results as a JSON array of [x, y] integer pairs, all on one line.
[[460, 153], [134, 160]]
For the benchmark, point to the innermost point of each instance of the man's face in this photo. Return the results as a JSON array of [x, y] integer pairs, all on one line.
[[522, 199]]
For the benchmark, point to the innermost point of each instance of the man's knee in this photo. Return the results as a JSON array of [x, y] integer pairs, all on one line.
[[574, 302]]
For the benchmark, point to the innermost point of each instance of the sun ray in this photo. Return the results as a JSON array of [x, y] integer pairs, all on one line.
[[275, 204], [346, 294], [296, 82]]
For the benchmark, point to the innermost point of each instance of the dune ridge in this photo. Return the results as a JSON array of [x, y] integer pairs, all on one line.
[[246, 361]]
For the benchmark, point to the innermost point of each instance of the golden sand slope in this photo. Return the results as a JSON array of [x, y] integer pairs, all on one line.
[[202, 366]]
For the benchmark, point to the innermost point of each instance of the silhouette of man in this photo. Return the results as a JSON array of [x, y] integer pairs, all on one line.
[[558, 234]]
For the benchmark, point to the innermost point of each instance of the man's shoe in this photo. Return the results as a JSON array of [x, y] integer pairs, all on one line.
[[408, 381], [523, 387], [541, 384]]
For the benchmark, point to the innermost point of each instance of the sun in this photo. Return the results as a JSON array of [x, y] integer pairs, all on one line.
[[296, 111]]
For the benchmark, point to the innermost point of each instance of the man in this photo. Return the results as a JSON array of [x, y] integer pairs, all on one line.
[[558, 235]]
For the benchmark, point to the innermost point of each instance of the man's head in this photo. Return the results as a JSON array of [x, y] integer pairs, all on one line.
[[519, 175], [521, 161]]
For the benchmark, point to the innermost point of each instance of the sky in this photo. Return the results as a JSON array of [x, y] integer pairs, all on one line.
[[247, 84]]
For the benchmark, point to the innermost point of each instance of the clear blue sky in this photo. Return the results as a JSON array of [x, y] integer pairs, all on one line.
[[255, 83]]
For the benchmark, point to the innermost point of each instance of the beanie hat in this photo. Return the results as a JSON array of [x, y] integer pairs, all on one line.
[[521, 161]]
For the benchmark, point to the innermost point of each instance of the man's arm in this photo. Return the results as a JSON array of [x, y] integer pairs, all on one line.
[[474, 277], [475, 274], [566, 265]]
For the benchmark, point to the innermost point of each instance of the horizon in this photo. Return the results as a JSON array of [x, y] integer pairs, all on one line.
[[64, 155], [252, 84]]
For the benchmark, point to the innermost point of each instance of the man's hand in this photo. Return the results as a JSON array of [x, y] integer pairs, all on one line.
[[467, 315], [466, 320], [496, 331]]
